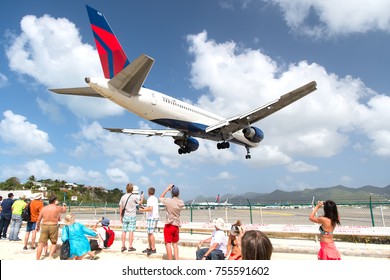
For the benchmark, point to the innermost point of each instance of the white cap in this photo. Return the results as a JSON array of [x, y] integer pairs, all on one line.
[[135, 190]]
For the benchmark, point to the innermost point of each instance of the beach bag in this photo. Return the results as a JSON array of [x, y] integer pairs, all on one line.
[[94, 244], [65, 248], [110, 237], [26, 215]]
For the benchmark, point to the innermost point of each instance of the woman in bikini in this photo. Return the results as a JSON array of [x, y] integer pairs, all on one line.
[[233, 251], [328, 221]]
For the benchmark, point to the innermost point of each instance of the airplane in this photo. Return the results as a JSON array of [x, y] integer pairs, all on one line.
[[123, 84], [211, 205]]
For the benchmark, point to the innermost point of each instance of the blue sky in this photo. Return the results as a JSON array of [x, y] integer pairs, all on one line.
[[224, 56]]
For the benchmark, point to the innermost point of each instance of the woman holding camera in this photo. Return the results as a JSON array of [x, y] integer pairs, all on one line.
[[328, 221], [233, 251]]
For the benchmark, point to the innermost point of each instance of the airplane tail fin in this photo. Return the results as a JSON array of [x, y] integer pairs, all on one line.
[[112, 56]]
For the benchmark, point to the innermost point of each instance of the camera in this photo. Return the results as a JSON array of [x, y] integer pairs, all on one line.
[[235, 230]]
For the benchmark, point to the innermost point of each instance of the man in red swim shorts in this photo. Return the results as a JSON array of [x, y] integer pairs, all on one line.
[[173, 208]]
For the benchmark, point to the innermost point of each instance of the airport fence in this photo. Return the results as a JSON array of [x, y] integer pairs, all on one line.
[[372, 214]]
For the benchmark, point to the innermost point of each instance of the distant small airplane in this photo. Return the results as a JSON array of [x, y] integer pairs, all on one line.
[[123, 85], [212, 205]]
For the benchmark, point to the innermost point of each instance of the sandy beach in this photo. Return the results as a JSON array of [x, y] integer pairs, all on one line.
[[284, 249]]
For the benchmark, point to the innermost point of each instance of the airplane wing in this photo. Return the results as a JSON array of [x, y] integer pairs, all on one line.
[[148, 132], [241, 121], [132, 77], [82, 91]]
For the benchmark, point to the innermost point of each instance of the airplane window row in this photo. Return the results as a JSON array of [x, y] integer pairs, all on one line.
[[184, 107]]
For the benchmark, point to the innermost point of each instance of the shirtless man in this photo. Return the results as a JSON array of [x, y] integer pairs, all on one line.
[[49, 217]]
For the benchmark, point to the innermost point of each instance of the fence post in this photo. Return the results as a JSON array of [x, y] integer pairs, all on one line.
[[208, 206], [372, 214], [250, 211], [261, 214], [383, 218], [191, 217]]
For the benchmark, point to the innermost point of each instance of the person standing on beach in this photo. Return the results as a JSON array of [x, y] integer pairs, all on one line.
[[17, 209], [152, 219], [6, 215], [49, 217], [173, 208], [128, 211], [36, 206], [79, 244], [328, 221]]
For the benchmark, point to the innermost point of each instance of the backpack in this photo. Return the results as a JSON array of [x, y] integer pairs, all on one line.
[[110, 237], [26, 214]]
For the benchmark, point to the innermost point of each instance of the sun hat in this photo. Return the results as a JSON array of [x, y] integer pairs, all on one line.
[[175, 191], [219, 223], [135, 190], [69, 219], [22, 197], [38, 196], [106, 222]]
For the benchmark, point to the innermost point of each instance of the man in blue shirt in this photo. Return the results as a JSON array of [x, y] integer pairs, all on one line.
[[6, 215]]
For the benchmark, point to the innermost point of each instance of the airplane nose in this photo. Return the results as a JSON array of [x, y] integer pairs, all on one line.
[[87, 80]]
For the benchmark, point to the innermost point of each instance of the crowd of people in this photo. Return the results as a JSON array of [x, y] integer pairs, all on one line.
[[238, 244]]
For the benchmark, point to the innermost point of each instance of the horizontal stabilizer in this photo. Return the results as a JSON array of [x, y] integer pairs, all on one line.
[[82, 91], [131, 79]]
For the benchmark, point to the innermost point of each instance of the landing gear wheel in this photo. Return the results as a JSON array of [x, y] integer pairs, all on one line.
[[248, 156], [223, 145], [184, 150]]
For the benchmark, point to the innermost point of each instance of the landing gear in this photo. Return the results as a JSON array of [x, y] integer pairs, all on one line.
[[183, 151], [248, 156], [186, 145], [223, 145]]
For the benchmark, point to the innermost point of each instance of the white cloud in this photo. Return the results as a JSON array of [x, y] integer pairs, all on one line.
[[50, 51], [332, 17], [144, 182], [3, 80], [41, 169], [373, 124], [345, 179], [300, 166], [117, 175], [22, 137], [224, 175], [319, 125], [51, 110]]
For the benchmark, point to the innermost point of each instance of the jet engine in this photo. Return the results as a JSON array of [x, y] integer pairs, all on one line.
[[253, 134], [187, 145]]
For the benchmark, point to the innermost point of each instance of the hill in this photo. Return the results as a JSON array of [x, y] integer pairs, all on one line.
[[340, 194]]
